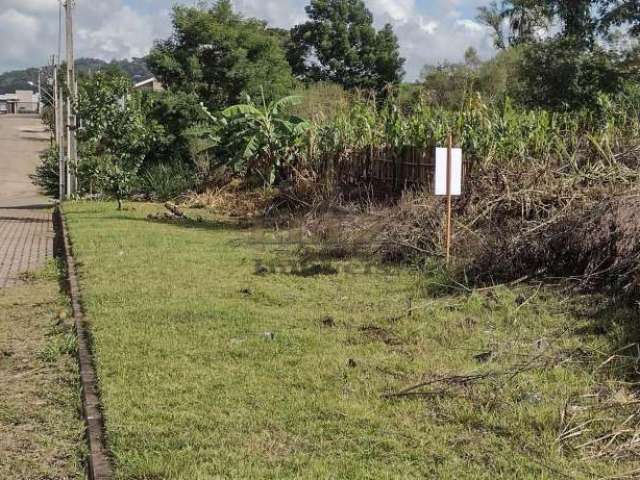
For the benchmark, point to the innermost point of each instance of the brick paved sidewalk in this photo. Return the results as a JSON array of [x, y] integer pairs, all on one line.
[[26, 241]]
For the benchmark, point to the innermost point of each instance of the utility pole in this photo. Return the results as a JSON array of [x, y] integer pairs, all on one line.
[[40, 92], [72, 152], [58, 102]]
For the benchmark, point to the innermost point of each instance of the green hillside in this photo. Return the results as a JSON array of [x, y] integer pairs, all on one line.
[[136, 68]]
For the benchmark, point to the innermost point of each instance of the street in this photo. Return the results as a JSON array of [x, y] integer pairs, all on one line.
[[26, 234], [22, 138]]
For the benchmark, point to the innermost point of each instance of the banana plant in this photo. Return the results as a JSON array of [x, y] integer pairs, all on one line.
[[263, 138]]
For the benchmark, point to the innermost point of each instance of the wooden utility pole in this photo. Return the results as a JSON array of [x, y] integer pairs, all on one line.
[[40, 92], [58, 103], [72, 152], [449, 202]]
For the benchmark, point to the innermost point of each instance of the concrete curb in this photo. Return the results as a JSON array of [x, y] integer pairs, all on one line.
[[98, 463]]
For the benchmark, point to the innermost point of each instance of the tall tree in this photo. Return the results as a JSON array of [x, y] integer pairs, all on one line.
[[220, 56], [621, 12], [492, 17], [340, 44], [472, 58], [577, 19], [526, 19], [389, 63]]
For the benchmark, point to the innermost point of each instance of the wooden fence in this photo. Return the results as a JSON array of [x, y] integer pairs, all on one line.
[[396, 168]]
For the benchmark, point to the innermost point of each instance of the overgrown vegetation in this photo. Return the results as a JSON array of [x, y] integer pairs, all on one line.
[[233, 357]]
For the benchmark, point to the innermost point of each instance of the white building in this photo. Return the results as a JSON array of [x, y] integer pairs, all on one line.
[[23, 101], [151, 84]]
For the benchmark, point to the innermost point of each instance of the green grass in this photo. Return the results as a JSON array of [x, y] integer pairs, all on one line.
[[41, 433], [210, 369]]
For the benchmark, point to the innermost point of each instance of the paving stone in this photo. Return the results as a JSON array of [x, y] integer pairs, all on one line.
[[26, 242]]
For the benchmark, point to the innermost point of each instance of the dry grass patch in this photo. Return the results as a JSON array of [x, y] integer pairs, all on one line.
[[41, 434]]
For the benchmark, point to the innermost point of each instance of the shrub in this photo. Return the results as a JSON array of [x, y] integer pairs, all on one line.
[[47, 174], [167, 181]]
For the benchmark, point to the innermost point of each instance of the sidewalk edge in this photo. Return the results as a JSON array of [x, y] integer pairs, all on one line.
[[98, 463]]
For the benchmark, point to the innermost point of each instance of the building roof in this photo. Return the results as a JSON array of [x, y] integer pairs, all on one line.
[[145, 82]]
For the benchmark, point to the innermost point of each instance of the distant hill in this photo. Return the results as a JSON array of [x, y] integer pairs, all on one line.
[[18, 80], [136, 68]]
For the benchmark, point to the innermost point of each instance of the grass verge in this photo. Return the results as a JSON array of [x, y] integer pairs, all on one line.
[[41, 433], [218, 359]]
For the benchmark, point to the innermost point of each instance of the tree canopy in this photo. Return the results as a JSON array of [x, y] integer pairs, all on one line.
[[221, 56], [578, 20], [621, 12], [340, 44], [568, 50]]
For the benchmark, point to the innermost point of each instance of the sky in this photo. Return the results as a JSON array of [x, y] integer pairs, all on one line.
[[429, 31]]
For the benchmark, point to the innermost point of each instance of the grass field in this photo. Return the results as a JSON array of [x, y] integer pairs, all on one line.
[[213, 366], [41, 433]]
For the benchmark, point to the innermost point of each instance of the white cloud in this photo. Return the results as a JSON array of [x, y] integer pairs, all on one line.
[[397, 10], [279, 13], [18, 35], [123, 34], [110, 29]]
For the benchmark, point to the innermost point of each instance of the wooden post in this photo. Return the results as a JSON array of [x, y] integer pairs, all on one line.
[[448, 213], [72, 148]]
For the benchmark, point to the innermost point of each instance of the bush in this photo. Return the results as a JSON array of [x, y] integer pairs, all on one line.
[[176, 113], [47, 174], [167, 182]]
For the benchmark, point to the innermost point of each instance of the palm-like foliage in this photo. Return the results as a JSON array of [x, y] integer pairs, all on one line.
[[492, 16], [526, 18], [262, 138]]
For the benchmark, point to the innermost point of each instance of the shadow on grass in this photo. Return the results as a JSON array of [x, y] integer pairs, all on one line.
[[620, 324], [186, 223]]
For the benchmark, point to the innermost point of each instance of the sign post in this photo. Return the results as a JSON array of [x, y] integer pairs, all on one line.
[[448, 183], [449, 161]]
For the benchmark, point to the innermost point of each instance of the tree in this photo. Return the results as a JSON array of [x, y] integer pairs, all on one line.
[[526, 19], [577, 18], [176, 112], [570, 69], [389, 63], [116, 133], [492, 17], [560, 74], [340, 44], [621, 12], [220, 56], [447, 85], [471, 58]]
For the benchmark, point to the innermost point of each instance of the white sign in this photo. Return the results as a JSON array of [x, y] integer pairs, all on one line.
[[441, 172]]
